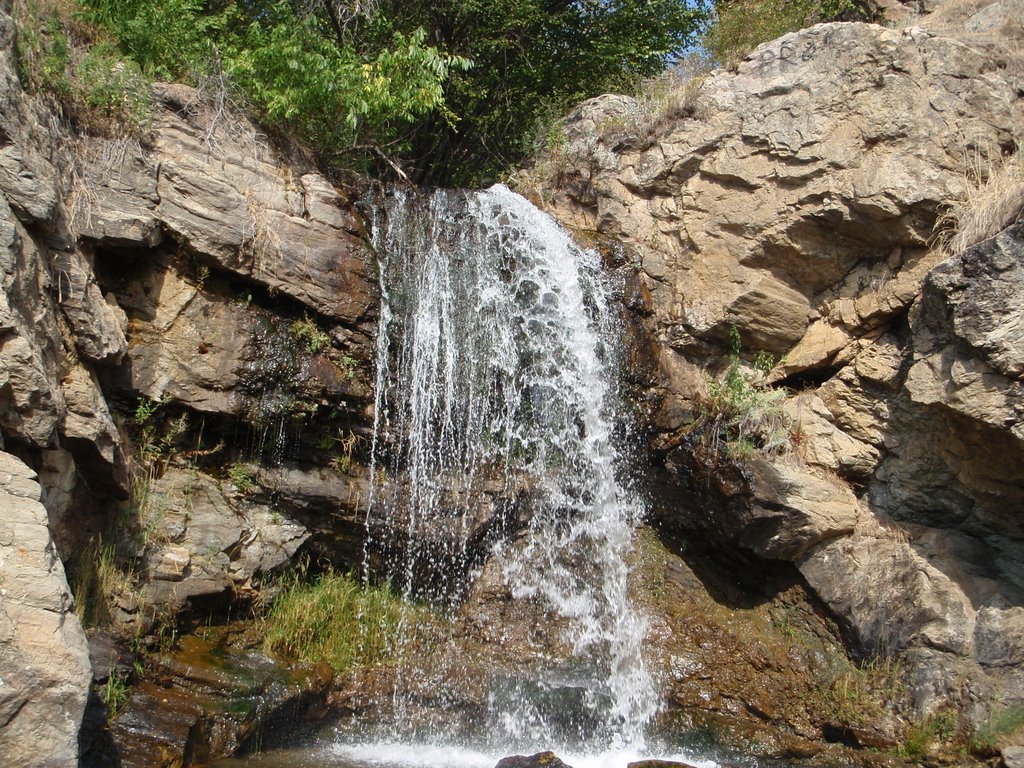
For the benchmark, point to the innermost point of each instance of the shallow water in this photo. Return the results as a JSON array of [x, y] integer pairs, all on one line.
[[398, 755]]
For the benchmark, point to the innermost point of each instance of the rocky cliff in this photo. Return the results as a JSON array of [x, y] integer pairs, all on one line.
[[176, 307], [800, 198]]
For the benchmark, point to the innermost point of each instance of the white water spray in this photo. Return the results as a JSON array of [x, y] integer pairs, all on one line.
[[495, 381]]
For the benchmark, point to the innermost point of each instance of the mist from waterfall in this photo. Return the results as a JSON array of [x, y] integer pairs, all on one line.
[[496, 431]]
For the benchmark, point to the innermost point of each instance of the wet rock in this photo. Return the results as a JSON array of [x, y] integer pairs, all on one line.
[[44, 659], [658, 764], [538, 760], [205, 701]]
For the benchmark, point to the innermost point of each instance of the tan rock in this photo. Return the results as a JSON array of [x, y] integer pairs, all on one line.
[[816, 349], [239, 208], [89, 432], [891, 596], [44, 661], [821, 443], [794, 509]]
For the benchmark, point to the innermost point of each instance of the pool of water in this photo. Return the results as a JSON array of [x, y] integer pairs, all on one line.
[[398, 755]]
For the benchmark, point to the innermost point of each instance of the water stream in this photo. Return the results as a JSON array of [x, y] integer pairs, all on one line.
[[496, 435]]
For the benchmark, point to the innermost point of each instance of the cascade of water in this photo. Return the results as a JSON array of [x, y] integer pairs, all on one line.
[[495, 415]]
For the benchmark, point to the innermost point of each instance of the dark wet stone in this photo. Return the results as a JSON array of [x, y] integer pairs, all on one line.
[[205, 701], [659, 764], [540, 760]]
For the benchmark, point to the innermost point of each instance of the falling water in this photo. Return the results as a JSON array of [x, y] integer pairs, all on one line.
[[496, 432]]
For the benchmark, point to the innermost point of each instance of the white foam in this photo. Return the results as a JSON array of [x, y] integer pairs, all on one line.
[[393, 754]]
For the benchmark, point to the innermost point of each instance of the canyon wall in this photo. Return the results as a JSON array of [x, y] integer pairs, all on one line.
[[186, 338]]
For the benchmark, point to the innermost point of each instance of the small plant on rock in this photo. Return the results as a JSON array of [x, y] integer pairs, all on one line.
[[308, 333], [743, 410], [242, 476], [1005, 725], [115, 693]]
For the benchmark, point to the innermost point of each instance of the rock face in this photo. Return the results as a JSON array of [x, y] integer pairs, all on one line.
[[175, 308], [204, 702], [44, 661], [794, 198]]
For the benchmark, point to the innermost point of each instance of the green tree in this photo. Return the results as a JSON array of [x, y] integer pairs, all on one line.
[[296, 69], [533, 59], [455, 89]]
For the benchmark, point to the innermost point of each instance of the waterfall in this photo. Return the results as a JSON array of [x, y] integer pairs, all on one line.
[[495, 432]]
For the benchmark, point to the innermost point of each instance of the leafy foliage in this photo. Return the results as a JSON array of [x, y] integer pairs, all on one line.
[[309, 335], [282, 59], [533, 59], [168, 40], [112, 88], [456, 88]]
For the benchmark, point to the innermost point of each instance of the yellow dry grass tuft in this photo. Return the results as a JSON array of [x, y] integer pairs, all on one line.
[[994, 200]]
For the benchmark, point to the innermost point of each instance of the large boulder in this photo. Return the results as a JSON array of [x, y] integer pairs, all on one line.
[[44, 659], [214, 184], [812, 174]]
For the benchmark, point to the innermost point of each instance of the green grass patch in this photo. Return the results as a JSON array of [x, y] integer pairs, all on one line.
[[115, 693], [336, 619], [1004, 726]]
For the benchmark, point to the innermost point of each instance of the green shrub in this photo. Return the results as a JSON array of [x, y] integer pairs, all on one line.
[[744, 410], [42, 49], [308, 333], [168, 40], [338, 620], [242, 476], [113, 89]]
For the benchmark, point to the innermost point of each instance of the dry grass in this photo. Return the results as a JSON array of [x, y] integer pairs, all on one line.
[[659, 104], [260, 241], [994, 200], [861, 694], [97, 578]]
